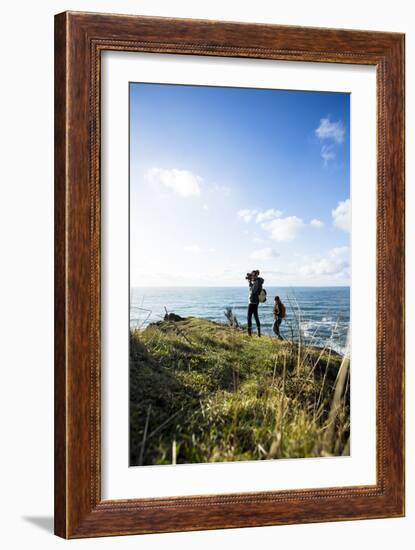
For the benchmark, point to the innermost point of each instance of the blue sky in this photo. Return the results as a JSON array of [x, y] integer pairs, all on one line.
[[226, 180]]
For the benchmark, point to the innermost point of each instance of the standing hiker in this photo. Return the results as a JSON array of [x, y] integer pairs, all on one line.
[[255, 288], [279, 315]]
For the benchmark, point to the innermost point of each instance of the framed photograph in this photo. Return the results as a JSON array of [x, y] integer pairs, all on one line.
[[229, 275]]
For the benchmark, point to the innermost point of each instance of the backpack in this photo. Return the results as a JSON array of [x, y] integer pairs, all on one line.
[[281, 308], [262, 296]]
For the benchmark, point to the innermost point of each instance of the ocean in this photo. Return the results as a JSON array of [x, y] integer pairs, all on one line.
[[320, 314]]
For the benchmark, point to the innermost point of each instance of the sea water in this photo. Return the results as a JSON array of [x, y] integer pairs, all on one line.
[[319, 315]]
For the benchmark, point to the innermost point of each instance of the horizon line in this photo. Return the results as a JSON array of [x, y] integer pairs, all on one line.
[[239, 286]]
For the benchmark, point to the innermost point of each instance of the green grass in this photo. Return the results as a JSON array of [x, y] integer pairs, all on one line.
[[203, 392]]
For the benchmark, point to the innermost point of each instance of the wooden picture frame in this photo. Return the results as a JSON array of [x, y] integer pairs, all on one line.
[[79, 40]]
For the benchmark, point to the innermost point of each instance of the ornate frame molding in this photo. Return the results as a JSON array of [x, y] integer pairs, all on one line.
[[79, 40]]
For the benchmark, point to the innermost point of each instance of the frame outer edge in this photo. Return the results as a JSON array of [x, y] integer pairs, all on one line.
[[403, 132], [76, 512], [396, 217], [60, 295]]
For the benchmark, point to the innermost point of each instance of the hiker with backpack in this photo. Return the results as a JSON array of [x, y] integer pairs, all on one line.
[[257, 294], [279, 315]]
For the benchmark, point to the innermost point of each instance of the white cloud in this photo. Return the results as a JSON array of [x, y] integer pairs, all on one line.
[[192, 248], [259, 216], [342, 215], [330, 130], [264, 254], [284, 229], [182, 182], [246, 215], [336, 263], [196, 249], [327, 154], [266, 215], [256, 238], [316, 223], [341, 252], [279, 229]]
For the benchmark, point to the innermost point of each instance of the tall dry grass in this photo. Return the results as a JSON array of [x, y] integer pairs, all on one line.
[[202, 392]]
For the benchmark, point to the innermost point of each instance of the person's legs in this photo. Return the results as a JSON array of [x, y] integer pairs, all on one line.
[[279, 320], [250, 312], [276, 327], [258, 324]]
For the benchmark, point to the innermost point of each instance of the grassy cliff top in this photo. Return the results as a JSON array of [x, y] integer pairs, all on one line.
[[201, 391]]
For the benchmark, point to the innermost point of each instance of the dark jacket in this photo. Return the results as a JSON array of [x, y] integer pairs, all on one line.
[[255, 289], [276, 311]]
